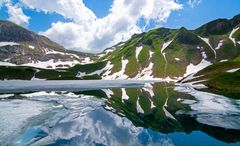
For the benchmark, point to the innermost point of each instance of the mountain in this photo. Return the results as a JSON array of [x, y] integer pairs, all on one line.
[[221, 78], [171, 54], [162, 54], [20, 46]]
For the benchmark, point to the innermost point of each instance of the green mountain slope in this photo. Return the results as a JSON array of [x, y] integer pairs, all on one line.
[[163, 54], [222, 78]]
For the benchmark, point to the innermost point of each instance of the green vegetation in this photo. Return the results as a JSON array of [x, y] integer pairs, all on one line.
[[186, 48], [219, 80], [24, 73]]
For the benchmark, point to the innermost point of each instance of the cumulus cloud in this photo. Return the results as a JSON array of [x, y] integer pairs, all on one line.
[[88, 33], [16, 15], [15, 12]]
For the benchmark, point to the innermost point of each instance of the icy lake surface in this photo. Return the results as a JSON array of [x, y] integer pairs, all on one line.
[[115, 113]]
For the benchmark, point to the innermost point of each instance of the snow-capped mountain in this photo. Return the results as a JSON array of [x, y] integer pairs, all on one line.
[[18, 46], [171, 54], [162, 54]]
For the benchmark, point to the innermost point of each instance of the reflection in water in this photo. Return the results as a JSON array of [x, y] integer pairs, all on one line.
[[158, 114], [211, 109]]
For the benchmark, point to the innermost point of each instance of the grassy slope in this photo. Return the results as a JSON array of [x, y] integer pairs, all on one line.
[[184, 47], [219, 80], [26, 73]]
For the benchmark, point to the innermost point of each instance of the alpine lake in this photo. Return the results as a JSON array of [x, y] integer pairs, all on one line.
[[115, 113]]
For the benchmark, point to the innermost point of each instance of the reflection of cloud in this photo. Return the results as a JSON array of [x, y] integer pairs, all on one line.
[[83, 121], [100, 127]]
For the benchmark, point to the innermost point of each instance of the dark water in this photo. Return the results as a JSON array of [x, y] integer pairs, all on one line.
[[115, 113]]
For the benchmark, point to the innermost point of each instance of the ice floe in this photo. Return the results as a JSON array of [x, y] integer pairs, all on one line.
[[212, 109]]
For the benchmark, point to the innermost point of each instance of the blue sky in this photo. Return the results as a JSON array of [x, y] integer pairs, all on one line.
[[109, 20]]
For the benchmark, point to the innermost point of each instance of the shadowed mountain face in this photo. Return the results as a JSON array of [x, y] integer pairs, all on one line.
[[131, 115], [20, 46]]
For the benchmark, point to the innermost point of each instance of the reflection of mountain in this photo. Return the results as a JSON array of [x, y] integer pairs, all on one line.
[[215, 115], [113, 116]]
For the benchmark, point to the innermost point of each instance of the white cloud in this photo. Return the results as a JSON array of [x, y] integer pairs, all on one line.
[[193, 3], [15, 12], [86, 32], [16, 15]]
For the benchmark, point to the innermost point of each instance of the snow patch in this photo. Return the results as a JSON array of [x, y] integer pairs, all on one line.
[[31, 47], [149, 88], [146, 73], [45, 64], [7, 64], [219, 45], [6, 95], [177, 59], [167, 113], [195, 68], [165, 45], [108, 92], [138, 51], [51, 64], [124, 94], [37, 94], [120, 74], [225, 60], [87, 60], [139, 108], [231, 36], [50, 51], [2, 44], [233, 70], [206, 40]]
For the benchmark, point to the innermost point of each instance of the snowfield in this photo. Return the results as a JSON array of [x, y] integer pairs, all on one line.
[[3, 44]]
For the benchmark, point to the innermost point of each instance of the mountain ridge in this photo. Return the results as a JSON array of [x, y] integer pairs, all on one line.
[[21, 46], [161, 54]]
